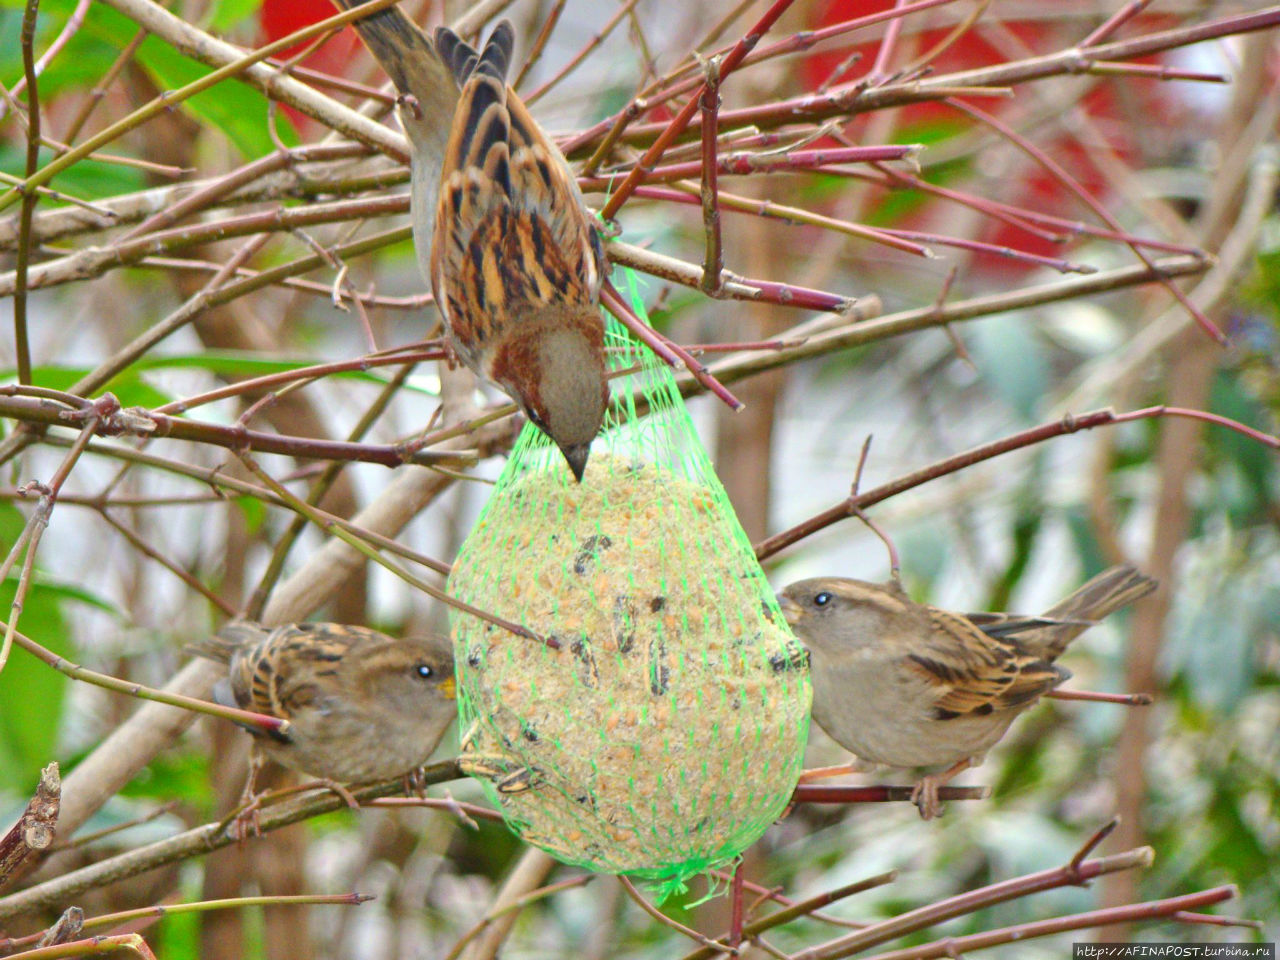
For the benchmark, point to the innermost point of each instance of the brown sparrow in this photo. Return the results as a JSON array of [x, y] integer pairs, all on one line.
[[909, 685], [362, 706], [500, 228]]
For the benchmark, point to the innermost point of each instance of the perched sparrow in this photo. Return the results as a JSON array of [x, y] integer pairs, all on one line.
[[500, 228], [362, 706], [910, 685]]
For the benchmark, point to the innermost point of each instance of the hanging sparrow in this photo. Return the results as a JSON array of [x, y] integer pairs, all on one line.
[[909, 685], [362, 706], [500, 228]]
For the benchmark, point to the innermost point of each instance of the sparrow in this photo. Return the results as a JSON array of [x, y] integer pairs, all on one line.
[[500, 228], [910, 685], [362, 706]]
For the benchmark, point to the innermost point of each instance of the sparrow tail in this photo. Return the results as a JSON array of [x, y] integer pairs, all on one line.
[[232, 637], [1106, 593], [400, 47]]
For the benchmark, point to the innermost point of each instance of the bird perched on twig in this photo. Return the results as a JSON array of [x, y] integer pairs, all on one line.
[[362, 706], [500, 227], [910, 685]]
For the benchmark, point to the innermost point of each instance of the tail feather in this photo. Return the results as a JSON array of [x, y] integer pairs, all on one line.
[[458, 55], [411, 61], [497, 51], [482, 130], [1106, 593], [401, 48], [233, 636]]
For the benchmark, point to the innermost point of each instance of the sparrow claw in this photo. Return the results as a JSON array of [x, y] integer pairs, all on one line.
[[415, 783], [925, 797], [246, 820]]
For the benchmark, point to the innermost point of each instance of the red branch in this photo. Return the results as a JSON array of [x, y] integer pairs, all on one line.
[[677, 126], [1069, 424]]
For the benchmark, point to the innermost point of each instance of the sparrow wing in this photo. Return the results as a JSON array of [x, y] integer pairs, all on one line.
[[970, 672], [545, 187], [510, 234], [1013, 624], [310, 658]]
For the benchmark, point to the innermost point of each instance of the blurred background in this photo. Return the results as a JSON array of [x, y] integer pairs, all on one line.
[[1186, 162]]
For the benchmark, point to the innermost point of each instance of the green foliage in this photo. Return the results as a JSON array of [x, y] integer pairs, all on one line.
[[175, 775], [31, 710], [225, 14], [129, 387]]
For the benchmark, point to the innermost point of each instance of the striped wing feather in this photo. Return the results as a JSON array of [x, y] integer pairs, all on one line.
[[972, 672], [509, 235]]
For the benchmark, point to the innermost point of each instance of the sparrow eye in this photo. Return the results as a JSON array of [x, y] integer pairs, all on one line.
[[822, 599], [425, 671]]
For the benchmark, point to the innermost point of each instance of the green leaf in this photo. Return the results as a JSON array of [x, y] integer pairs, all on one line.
[[254, 511], [31, 693], [231, 13], [129, 388], [182, 776], [69, 591]]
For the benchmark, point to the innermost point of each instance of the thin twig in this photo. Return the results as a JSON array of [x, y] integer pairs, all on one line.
[[618, 16], [132, 942], [140, 422], [330, 526], [676, 925], [173, 567], [197, 841], [1123, 699], [84, 839], [285, 542], [845, 793], [802, 908], [677, 126], [974, 900], [21, 344], [1115, 22], [1068, 424], [514, 907], [669, 351], [169, 99], [539, 42], [1059, 173], [958, 946], [139, 691], [38, 523], [713, 258]]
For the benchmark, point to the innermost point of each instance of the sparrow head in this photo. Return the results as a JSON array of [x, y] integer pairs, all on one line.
[[563, 388], [833, 613], [406, 677]]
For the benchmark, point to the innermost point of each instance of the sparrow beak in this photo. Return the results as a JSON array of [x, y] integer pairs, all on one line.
[[790, 609], [577, 457], [449, 688]]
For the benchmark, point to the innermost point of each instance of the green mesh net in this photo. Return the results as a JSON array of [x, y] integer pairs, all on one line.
[[667, 731]]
